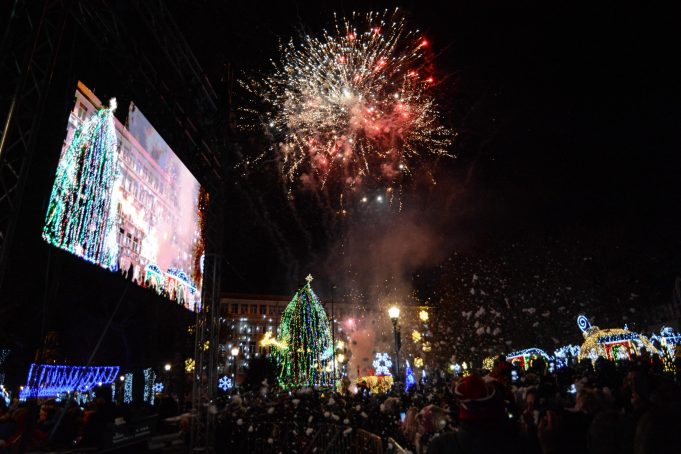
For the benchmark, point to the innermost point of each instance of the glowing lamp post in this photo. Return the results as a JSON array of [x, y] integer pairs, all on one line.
[[235, 354], [394, 313], [167, 379]]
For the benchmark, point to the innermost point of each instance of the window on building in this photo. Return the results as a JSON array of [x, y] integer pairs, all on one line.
[[263, 309], [272, 309], [235, 308], [82, 110], [244, 308], [254, 309]]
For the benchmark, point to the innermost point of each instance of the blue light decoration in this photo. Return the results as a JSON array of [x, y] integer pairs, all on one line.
[[225, 383], [127, 388], [409, 380], [583, 323], [525, 357], [382, 364], [158, 387], [667, 338], [4, 353], [4, 395], [563, 355], [149, 379], [47, 380]]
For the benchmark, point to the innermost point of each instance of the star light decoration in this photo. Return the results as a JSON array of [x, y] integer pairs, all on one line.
[[382, 364], [189, 364], [225, 383], [158, 387]]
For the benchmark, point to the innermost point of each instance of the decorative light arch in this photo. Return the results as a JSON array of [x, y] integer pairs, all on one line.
[[47, 380]]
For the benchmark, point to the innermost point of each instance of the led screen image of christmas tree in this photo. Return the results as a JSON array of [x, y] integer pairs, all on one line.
[[124, 201]]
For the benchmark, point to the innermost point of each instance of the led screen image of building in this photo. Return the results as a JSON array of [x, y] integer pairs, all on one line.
[[123, 200]]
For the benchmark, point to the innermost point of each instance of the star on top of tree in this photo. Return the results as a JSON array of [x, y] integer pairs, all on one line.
[[309, 279]]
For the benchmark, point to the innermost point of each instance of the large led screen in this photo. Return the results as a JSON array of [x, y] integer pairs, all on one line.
[[123, 200]]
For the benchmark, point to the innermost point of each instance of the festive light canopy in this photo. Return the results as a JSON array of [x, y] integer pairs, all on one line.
[[526, 356], [304, 329], [614, 343], [47, 380]]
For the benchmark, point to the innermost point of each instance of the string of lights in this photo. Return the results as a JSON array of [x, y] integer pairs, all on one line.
[[47, 380], [79, 217], [304, 328]]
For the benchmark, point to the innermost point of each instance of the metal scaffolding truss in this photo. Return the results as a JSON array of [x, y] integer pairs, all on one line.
[[29, 53]]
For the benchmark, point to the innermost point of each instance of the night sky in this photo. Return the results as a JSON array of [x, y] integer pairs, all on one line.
[[567, 120], [565, 115]]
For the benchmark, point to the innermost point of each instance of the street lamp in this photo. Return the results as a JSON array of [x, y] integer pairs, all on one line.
[[235, 353], [166, 377], [394, 313]]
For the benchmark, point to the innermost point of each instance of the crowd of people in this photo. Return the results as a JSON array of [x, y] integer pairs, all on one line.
[[601, 407]]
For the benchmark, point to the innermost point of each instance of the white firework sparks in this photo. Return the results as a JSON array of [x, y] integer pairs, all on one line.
[[353, 108]]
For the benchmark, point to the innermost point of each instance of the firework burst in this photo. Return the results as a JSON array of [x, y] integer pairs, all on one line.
[[351, 109]]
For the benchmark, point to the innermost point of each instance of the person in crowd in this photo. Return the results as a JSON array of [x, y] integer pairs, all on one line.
[[483, 424]]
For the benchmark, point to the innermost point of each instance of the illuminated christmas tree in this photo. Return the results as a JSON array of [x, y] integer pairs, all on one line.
[[304, 350], [81, 213]]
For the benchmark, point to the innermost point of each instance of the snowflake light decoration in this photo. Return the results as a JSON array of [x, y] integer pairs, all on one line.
[[382, 364], [225, 383], [158, 387]]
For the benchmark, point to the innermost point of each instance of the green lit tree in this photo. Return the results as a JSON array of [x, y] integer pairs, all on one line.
[[80, 216], [304, 349]]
